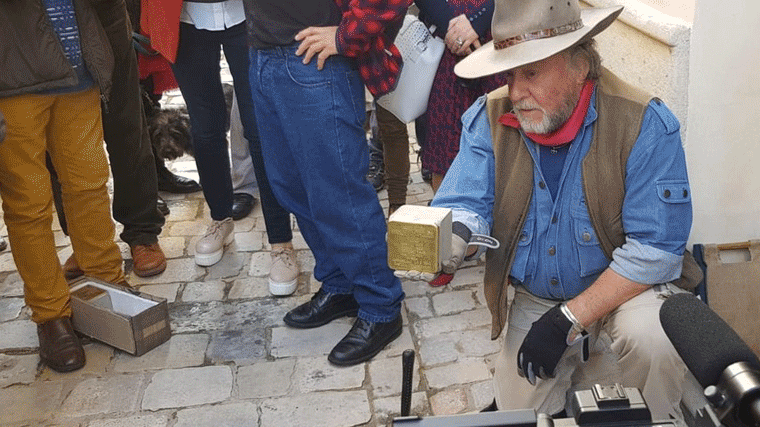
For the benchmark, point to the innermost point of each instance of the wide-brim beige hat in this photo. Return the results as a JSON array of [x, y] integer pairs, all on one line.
[[526, 31]]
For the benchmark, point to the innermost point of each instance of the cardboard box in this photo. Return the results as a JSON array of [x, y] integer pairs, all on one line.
[[419, 238], [122, 317]]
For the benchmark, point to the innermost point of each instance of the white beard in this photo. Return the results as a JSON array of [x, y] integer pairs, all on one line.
[[549, 123]]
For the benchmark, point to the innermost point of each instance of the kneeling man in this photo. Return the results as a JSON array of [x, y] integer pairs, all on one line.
[[582, 178]]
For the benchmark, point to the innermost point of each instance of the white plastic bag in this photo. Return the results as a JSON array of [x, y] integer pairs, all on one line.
[[421, 52]]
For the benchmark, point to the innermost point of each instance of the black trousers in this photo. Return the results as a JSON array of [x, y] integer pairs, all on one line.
[[125, 130]]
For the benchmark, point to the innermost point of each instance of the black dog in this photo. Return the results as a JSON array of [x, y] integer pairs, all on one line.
[[169, 128]]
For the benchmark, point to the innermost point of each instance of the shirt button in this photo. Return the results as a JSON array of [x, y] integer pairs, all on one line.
[[554, 219], [523, 237], [586, 236], [685, 193], [541, 185], [666, 193], [554, 282], [552, 251]]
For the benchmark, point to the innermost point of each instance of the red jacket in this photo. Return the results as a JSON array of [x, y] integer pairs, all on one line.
[[362, 34], [159, 20]]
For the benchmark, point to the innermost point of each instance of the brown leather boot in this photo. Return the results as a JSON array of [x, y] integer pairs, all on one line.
[[60, 348], [71, 269], [148, 260]]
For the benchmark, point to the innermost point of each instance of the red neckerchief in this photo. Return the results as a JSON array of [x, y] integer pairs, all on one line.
[[568, 131]]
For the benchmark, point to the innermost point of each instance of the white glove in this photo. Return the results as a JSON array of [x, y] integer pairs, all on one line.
[[458, 252], [449, 266]]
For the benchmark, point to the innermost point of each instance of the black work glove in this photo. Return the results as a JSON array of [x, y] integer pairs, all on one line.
[[544, 345]]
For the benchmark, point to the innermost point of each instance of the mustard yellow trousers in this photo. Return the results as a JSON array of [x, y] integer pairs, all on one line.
[[68, 126]]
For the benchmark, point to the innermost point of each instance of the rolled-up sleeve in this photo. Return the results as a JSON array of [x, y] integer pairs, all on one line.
[[468, 188], [657, 210]]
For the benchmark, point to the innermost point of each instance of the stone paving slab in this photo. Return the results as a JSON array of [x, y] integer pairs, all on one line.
[[316, 374], [243, 414], [177, 388], [467, 371], [291, 342], [12, 286], [243, 346], [181, 351], [18, 334], [217, 315], [112, 394], [265, 379], [326, 409], [35, 402], [208, 290], [17, 369], [10, 308], [147, 420]]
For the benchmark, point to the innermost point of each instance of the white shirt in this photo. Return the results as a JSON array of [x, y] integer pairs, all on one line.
[[213, 16]]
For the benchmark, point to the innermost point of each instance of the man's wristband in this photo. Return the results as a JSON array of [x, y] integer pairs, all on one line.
[[577, 328], [461, 230]]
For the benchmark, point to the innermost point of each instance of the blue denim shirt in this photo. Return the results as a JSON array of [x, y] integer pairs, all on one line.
[[558, 254]]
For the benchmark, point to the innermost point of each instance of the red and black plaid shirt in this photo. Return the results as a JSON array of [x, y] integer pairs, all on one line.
[[362, 34]]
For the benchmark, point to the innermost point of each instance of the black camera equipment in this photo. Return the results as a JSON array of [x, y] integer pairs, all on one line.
[[720, 361], [608, 406]]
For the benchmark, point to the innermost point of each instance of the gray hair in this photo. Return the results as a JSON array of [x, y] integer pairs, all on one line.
[[587, 52]]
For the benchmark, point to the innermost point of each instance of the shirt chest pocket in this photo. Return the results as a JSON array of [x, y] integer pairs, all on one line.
[[590, 257], [522, 252]]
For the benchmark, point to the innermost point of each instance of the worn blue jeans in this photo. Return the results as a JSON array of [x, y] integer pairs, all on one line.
[[315, 151]]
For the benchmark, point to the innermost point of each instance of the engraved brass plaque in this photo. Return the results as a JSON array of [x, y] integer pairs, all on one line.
[[413, 247]]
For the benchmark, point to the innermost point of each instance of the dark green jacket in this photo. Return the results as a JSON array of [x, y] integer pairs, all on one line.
[[32, 58]]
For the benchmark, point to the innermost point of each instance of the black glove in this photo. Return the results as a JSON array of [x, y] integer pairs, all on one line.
[[544, 345]]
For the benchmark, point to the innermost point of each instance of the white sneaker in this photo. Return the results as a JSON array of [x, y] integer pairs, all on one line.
[[283, 275], [209, 249]]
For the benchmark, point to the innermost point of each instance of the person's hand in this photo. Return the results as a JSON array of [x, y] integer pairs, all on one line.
[[458, 253], [449, 266], [461, 39], [544, 345], [318, 41]]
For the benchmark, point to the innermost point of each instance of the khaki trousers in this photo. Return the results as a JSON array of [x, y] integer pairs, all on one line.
[[628, 346], [68, 126], [395, 140]]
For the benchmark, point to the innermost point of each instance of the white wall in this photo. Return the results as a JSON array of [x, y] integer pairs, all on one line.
[[649, 49], [723, 136], [683, 9]]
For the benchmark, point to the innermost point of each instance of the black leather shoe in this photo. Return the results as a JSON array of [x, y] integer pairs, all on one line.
[[162, 206], [60, 348], [364, 341], [322, 309], [242, 205], [172, 183]]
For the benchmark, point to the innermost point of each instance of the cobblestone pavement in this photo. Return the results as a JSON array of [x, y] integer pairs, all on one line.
[[231, 361]]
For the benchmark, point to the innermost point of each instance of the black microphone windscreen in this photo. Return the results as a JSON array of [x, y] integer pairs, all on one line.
[[704, 341]]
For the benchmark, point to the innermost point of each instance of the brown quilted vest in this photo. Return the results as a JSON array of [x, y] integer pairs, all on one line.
[[620, 108]]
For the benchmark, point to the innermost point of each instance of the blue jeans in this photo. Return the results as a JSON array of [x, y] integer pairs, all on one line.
[[316, 156], [197, 72]]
